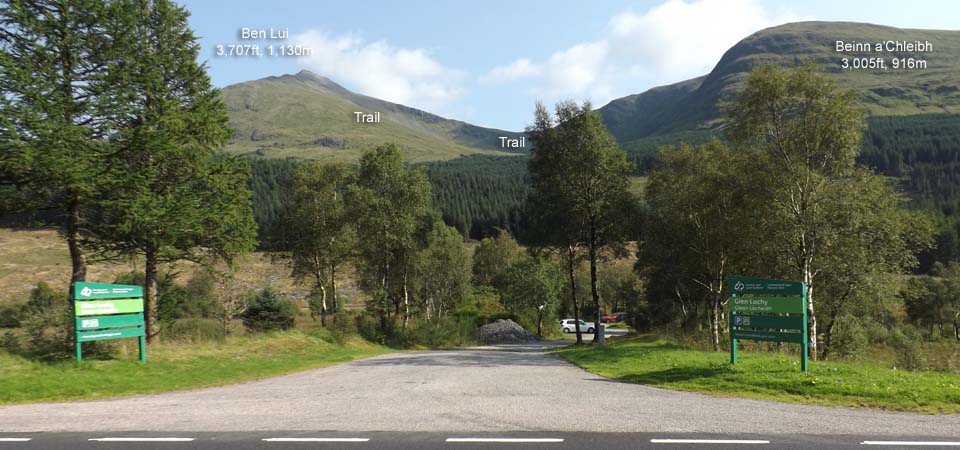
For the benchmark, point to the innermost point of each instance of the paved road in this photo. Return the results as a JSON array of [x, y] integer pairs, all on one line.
[[489, 389], [445, 441], [494, 389]]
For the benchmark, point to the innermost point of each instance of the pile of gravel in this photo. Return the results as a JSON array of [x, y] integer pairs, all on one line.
[[503, 332]]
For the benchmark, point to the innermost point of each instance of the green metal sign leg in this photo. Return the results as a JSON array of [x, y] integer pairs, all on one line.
[[805, 346], [79, 351], [733, 341], [143, 349]]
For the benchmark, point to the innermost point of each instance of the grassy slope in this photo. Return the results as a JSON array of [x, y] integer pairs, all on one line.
[[173, 366], [286, 116], [650, 360], [33, 255]]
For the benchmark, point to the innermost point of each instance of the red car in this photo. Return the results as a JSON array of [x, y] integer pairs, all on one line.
[[615, 317]]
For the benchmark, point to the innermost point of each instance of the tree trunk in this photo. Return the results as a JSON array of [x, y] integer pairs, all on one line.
[[323, 306], [956, 326], [334, 306], [539, 322], [828, 333], [384, 302], [811, 316], [406, 300], [77, 259], [593, 278], [150, 296], [715, 321], [571, 257]]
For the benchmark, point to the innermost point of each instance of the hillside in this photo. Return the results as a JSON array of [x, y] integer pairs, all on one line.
[[692, 105], [309, 116]]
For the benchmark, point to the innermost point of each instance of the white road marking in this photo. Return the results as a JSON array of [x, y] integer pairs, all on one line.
[[708, 441], [505, 440], [913, 443], [14, 439], [316, 440], [141, 439]]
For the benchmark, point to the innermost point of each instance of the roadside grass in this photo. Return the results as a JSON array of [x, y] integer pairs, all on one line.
[[657, 362], [173, 366]]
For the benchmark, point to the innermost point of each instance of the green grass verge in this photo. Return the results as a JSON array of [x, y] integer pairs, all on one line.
[[768, 376], [172, 366]]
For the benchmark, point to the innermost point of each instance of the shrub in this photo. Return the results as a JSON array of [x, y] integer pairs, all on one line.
[[11, 314], [195, 299], [10, 342], [342, 328], [194, 330], [908, 347], [849, 340], [269, 312], [877, 333], [368, 326], [48, 321], [43, 297]]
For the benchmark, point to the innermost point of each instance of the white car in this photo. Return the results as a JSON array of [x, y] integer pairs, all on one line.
[[570, 326]]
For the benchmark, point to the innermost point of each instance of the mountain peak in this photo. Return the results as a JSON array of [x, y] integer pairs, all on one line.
[[308, 75]]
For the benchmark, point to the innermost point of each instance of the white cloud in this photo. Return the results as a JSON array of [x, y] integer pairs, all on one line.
[[407, 76], [673, 41], [521, 68], [678, 39]]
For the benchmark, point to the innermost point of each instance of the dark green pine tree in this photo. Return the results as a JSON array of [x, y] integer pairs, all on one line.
[[51, 122], [170, 194]]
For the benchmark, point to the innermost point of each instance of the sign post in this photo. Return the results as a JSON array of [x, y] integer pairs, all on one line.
[[108, 311], [768, 310]]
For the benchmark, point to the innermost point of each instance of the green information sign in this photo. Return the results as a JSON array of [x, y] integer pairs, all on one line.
[[763, 286], [104, 307], [124, 320], [777, 322], [770, 336], [90, 291], [761, 309], [108, 311], [114, 333], [784, 305]]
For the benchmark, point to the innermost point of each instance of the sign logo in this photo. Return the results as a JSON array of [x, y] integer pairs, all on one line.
[[739, 286], [86, 291]]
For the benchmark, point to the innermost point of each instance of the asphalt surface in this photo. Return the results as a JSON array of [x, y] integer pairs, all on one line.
[[420, 399], [450, 441]]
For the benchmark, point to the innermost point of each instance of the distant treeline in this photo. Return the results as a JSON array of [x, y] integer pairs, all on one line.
[[923, 153], [479, 193], [476, 194]]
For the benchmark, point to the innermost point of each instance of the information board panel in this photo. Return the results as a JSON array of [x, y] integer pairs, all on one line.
[[89, 291], [114, 333], [97, 322], [105, 307], [764, 286], [769, 336], [781, 305], [777, 322]]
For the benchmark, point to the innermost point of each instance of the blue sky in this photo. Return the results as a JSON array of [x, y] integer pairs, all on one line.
[[487, 62]]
